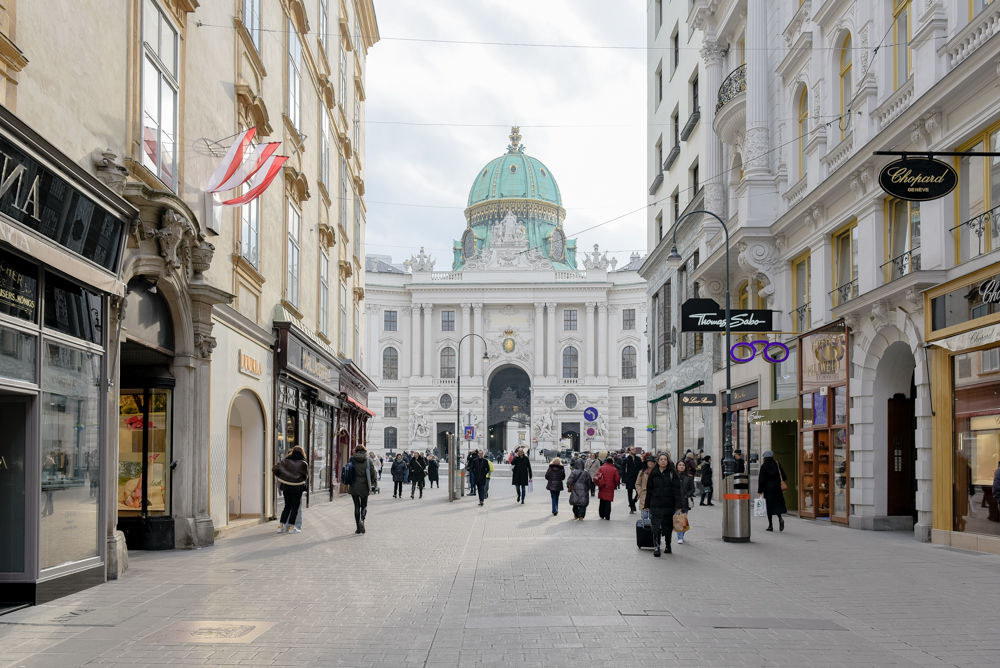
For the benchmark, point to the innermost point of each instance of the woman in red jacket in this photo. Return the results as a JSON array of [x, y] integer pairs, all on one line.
[[607, 480]]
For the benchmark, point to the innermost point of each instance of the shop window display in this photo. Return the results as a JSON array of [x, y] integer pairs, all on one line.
[[977, 441], [144, 452]]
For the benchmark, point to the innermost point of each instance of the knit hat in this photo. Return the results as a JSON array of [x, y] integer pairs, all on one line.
[[768, 453]]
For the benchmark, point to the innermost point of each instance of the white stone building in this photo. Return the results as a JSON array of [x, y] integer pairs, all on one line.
[[559, 338]]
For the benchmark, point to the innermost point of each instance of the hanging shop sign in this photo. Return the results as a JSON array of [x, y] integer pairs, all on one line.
[[704, 315], [697, 399], [918, 179], [745, 393], [774, 352], [990, 291]]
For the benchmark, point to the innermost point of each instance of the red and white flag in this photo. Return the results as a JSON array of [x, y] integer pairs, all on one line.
[[231, 163], [238, 168], [264, 175]]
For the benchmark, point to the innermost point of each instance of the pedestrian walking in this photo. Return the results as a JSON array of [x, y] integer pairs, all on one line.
[[631, 466], [398, 471], [480, 470], [578, 484], [521, 474], [706, 481], [417, 473], [607, 481], [741, 465], [292, 473], [468, 471], [687, 494], [365, 483], [554, 476], [771, 485], [642, 479], [489, 474], [591, 465], [663, 497], [406, 458], [432, 471]]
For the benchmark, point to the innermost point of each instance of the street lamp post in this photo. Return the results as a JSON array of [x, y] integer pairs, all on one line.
[[453, 460], [674, 260]]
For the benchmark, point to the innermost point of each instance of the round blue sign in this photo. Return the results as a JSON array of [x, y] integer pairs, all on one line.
[[590, 414]]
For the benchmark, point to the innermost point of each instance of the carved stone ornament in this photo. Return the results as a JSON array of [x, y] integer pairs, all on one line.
[[760, 258], [420, 262], [110, 171], [852, 321], [205, 344], [201, 257], [595, 260], [915, 299], [755, 149], [508, 233], [175, 237], [880, 314], [713, 53]]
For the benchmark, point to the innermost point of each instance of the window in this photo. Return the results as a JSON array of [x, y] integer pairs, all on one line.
[[659, 155], [845, 265], [659, 85], [664, 325], [571, 363], [846, 86], [390, 365], [570, 401], [659, 14], [569, 319], [324, 25], [978, 193], [358, 48], [324, 292], [445, 401], [324, 152], [801, 277], [390, 437], [675, 47], [694, 181], [391, 407], [903, 238], [251, 21], [628, 363], [448, 363], [343, 192], [159, 95], [294, 106], [389, 321], [675, 121], [628, 318], [357, 227], [659, 226], [628, 437], [694, 96], [357, 334], [677, 205], [990, 360], [357, 127], [976, 6], [343, 319], [901, 56], [250, 232], [343, 76], [447, 321], [803, 130], [292, 256], [628, 406]]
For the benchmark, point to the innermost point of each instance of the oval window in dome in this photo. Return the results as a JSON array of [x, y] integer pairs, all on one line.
[[513, 169], [543, 172]]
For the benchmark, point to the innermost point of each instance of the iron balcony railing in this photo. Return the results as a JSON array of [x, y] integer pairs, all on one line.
[[844, 293], [735, 84], [802, 318], [978, 235], [902, 265]]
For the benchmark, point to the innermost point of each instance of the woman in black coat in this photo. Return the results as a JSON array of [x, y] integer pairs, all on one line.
[[398, 470], [432, 471], [769, 486], [663, 498], [417, 472], [521, 474]]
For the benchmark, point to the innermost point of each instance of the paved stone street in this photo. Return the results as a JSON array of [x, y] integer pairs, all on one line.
[[439, 584]]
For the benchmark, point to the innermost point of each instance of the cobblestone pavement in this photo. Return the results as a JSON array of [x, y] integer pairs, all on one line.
[[436, 584]]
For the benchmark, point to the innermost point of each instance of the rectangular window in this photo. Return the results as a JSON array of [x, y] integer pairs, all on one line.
[[343, 319], [628, 407], [569, 319], [324, 292], [357, 334], [357, 227], [675, 44], [324, 152], [324, 26], [389, 321], [675, 121], [659, 85], [845, 268], [659, 14], [159, 95], [250, 232], [902, 58], [343, 76], [628, 318], [659, 226], [801, 276], [659, 155], [447, 321], [358, 48], [357, 127], [903, 239], [343, 192], [694, 96], [294, 106], [390, 407], [990, 360], [292, 256], [677, 205], [252, 22], [694, 181], [978, 200]]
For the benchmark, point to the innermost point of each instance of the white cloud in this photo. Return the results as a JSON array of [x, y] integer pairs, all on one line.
[[601, 170]]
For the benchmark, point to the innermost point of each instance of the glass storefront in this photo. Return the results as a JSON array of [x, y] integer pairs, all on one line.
[[144, 452]]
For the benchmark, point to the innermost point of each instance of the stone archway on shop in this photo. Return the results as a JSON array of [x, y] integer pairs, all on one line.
[[245, 462]]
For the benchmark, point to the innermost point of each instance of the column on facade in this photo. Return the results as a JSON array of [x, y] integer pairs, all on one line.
[[405, 356], [415, 356], [755, 147], [539, 335], [477, 345], [589, 338], [428, 339], [602, 339], [466, 329], [714, 169], [551, 352]]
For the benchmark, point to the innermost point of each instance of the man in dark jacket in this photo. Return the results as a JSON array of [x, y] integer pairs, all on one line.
[[416, 468], [479, 468], [706, 481], [630, 471], [520, 474], [468, 471], [663, 498], [398, 476], [292, 472], [741, 465]]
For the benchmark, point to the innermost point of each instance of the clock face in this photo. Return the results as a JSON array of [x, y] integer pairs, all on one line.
[[508, 345]]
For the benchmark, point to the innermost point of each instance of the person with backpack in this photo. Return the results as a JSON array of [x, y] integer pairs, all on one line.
[[520, 474], [578, 484], [361, 476], [554, 476], [432, 472], [398, 471], [706, 481], [607, 481], [292, 473]]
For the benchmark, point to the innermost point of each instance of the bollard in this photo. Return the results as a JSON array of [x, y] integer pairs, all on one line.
[[736, 508]]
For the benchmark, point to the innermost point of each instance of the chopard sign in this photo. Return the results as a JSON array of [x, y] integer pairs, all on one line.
[[990, 291], [918, 179]]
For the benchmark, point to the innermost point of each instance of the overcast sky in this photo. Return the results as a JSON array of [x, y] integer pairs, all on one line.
[[600, 168]]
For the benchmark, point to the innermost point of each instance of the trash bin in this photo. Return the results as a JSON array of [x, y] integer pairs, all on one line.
[[736, 508]]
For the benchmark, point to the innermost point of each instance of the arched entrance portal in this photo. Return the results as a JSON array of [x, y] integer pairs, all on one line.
[[245, 484], [508, 413]]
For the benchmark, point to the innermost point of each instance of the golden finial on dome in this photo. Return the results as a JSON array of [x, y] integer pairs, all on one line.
[[515, 140]]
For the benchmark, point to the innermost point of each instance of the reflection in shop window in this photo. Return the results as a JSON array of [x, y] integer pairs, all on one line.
[[977, 441]]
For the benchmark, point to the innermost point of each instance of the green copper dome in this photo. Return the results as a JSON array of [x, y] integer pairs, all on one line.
[[515, 175]]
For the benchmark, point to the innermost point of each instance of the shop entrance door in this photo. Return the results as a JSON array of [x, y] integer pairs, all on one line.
[[900, 474], [235, 481], [13, 492]]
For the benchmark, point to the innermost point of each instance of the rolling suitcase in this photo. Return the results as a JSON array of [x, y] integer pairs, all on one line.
[[644, 531]]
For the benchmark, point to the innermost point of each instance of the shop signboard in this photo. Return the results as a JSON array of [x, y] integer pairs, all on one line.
[[18, 287], [704, 315], [824, 359], [698, 400], [745, 393], [918, 179]]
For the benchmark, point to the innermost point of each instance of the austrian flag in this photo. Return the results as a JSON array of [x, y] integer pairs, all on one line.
[[237, 168]]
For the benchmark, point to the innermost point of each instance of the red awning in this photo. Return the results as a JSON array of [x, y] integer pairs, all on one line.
[[364, 409]]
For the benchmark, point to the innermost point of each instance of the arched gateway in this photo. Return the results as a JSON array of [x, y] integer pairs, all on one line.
[[509, 410]]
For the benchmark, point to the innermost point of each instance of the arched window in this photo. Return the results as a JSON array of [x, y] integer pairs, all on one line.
[[628, 437], [390, 364], [743, 295], [803, 130], [846, 86], [390, 438], [571, 363], [448, 363], [628, 362]]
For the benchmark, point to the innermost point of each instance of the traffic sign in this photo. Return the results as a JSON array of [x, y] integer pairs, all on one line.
[[470, 433], [590, 414], [591, 432]]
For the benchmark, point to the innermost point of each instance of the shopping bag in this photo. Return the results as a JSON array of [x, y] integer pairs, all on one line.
[[680, 522], [759, 507], [531, 485]]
